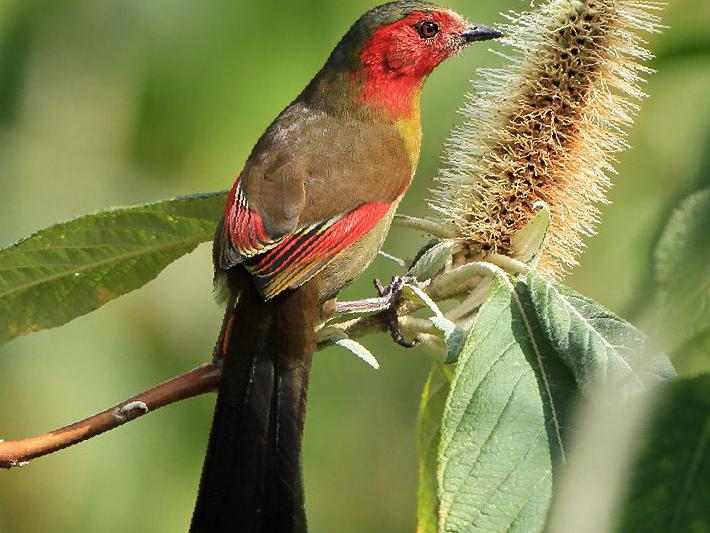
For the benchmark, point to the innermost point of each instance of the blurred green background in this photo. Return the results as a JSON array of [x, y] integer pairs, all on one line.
[[107, 102]]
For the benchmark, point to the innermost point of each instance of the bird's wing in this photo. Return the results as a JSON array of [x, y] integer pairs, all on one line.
[[287, 261], [313, 185]]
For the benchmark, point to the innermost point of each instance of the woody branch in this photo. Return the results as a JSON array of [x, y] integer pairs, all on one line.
[[204, 379], [194, 383]]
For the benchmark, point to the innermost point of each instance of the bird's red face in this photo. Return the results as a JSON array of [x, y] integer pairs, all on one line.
[[397, 57], [414, 45]]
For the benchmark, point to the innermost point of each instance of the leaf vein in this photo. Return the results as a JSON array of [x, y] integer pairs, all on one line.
[[83, 268]]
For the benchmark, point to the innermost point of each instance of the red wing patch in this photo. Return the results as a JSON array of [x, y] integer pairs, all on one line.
[[298, 257], [291, 260], [241, 234], [245, 226]]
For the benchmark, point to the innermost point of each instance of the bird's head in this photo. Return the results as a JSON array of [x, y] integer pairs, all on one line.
[[392, 48]]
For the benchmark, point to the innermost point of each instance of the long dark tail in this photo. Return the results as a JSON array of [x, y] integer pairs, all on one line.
[[251, 478]]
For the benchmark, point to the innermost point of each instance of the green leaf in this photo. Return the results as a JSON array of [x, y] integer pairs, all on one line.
[[431, 410], [596, 345], [454, 337], [669, 489], [683, 275], [432, 261], [503, 427], [532, 349], [75, 267], [528, 243], [341, 339]]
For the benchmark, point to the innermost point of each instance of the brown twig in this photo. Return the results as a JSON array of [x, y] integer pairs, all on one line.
[[18, 452], [198, 381], [204, 379]]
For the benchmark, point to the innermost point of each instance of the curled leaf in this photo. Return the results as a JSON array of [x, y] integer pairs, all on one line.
[[432, 261], [527, 244], [341, 339]]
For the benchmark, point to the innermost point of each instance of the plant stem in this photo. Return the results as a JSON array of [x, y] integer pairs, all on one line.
[[203, 379], [422, 224], [198, 381]]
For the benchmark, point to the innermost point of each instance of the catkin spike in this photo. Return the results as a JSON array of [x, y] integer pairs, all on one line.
[[547, 126]]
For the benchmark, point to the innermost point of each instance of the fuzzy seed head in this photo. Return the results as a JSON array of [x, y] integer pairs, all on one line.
[[546, 127]]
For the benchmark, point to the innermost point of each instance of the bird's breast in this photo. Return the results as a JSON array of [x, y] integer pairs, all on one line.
[[349, 263], [410, 131]]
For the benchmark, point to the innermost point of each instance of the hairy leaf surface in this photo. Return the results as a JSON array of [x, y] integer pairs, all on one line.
[[503, 426], [597, 346], [533, 348]]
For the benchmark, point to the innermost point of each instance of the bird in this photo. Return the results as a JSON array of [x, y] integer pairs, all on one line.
[[307, 214]]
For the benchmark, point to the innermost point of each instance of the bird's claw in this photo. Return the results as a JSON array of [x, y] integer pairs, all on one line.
[[393, 292]]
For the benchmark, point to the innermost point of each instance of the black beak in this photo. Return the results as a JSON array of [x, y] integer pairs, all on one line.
[[477, 32]]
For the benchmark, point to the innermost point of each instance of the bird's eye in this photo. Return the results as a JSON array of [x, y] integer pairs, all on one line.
[[427, 29]]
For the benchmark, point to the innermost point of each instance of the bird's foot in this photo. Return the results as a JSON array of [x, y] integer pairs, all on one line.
[[386, 303], [392, 293]]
